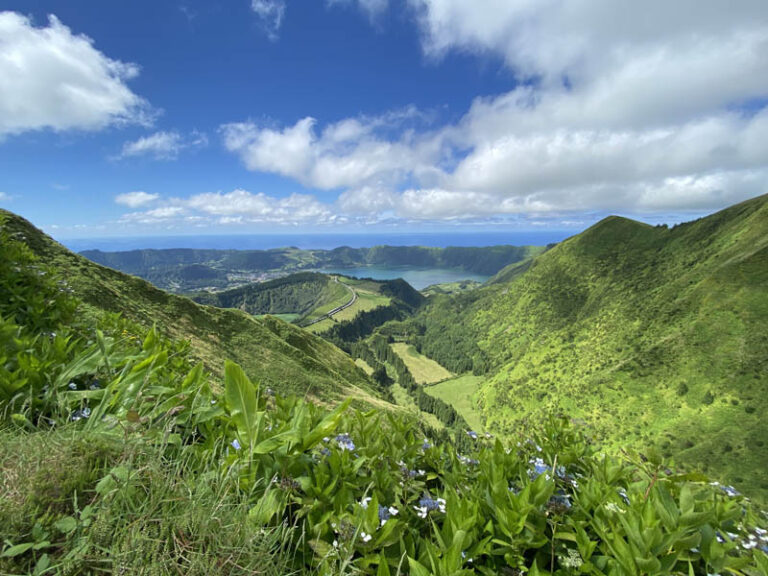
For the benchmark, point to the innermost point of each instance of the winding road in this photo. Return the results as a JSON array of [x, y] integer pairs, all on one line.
[[338, 308]]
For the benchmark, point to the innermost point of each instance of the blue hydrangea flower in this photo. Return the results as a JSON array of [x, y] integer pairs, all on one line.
[[539, 468], [235, 444], [345, 442]]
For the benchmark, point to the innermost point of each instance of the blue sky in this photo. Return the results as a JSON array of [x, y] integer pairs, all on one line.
[[254, 116]]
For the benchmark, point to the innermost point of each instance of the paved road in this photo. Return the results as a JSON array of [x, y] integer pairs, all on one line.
[[338, 308]]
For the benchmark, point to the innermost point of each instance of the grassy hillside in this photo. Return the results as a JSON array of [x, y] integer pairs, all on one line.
[[651, 335], [271, 351], [298, 294]]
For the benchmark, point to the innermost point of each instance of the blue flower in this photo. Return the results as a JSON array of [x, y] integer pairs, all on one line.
[[72, 386], [345, 442], [539, 468], [472, 434], [80, 414], [386, 513], [730, 491], [235, 444]]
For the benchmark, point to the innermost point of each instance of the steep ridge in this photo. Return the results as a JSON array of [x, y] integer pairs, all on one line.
[[271, 351], [651, 335], [294, 294]]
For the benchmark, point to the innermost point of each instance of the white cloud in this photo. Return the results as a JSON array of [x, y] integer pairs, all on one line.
[[55, 79], [4, 197], [161, 215], [633, 108], [136, 199], [244, 206], [230, 208], [163, 145], [350, 153], [270, 14]]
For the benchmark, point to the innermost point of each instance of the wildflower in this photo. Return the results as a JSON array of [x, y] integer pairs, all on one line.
[[325, 452], [80, 414], [468, 461], [366, 537], [235, 444], [426, 445], [345, 442], [488, 435], [94, 385], [539, 468], [72, 386], [335, 543], [464, 557], [472, 434], [624, 496], [559, 503], [364, 502], [428, 504], [270, 392], [730, 491], [386, 513]]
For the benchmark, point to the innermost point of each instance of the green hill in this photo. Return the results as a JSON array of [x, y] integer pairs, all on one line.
[[271, 351], [651, 335], [296, 294]]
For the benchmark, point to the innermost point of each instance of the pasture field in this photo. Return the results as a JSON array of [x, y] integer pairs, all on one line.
[[459, 392], [424, 370]]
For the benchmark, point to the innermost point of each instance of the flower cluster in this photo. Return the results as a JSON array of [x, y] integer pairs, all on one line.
[[345, 442], [427, 504]]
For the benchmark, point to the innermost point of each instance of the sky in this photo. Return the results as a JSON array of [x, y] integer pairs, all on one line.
[[311, 116]]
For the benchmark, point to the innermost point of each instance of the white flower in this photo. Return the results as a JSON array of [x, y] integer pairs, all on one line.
[[422, 511], [335, 543], [393, 511], [366, 537], [364, 502]]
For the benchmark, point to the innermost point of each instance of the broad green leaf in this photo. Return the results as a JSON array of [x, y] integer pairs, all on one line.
[[18, 550], [66, 524], [241, 400]]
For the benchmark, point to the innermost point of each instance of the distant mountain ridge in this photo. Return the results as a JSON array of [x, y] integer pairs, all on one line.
[[191, 269]]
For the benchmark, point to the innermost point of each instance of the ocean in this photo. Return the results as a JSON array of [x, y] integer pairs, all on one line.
[[320, 241]]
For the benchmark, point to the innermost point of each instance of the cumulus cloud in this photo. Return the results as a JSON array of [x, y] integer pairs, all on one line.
[[55, 79], [163, 145], [653, 107], [238, 207], [349, 153], [136, 199], [270, 14]]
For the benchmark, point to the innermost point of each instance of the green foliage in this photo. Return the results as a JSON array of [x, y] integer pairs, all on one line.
[[141, 464], [651, 335], [279, 355], [296, 294]]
